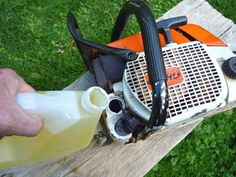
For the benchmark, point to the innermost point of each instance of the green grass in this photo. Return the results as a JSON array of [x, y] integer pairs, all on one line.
[[33, 33], [35, 42]]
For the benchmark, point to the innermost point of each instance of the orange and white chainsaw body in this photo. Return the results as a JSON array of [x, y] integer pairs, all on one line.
[[196, 82], [221, 54], [202, 88], [169, 73]]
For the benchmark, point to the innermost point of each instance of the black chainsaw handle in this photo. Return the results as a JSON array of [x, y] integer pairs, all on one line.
[[153, 53], [164, 26], [89, 50]]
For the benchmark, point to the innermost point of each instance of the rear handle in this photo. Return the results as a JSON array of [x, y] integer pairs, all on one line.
[[90, 50], [164, 26]]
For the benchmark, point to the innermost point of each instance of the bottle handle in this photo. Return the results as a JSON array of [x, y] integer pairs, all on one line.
[[35, 102], [62, 109], [47, 106]]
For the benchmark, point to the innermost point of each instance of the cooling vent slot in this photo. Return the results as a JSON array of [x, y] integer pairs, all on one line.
[[202, 83]]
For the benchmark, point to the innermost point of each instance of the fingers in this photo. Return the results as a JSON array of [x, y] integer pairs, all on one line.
[[17, 122], [30, 125], [24, 87], [13, 119], [16, 82]]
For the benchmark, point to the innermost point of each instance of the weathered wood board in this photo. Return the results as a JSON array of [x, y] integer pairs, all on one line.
[[135, 159]]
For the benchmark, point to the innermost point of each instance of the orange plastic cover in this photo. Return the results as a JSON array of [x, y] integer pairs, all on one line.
[[180, 35]]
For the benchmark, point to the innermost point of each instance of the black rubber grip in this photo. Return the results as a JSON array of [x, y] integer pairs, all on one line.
[[153, 55], [165, 25]]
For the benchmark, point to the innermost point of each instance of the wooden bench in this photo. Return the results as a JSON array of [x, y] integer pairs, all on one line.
[[135, 159]]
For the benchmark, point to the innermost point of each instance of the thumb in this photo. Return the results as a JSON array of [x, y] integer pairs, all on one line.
[[30, 125], [37, 122]]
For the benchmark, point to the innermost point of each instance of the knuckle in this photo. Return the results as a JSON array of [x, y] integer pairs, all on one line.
[[7, 71], [9, 76], [36, 128], [32, 134]]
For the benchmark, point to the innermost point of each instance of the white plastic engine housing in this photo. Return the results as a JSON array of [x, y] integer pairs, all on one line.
[[202, 89]]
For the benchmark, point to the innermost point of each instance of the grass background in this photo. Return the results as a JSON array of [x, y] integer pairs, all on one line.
[[35, 42]]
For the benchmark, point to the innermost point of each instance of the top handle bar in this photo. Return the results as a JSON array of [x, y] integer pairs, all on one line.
[[153, 54]]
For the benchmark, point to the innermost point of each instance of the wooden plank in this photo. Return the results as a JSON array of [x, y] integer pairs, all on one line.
[[82, 84], [229, 37], [183, 8], [134, 159], [112, 160], [199, 12]]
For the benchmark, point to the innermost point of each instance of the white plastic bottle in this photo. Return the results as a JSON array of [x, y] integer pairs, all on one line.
[[70, 120]]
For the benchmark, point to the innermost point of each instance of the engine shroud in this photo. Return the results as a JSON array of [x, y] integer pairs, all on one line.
[[202, 88]]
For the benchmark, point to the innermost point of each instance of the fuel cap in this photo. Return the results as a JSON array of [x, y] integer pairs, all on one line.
[[229, 67]]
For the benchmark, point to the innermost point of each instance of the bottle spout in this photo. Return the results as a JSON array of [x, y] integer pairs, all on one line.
[[95, 100]]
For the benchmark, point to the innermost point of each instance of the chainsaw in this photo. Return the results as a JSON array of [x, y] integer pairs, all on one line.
[[168, 74]]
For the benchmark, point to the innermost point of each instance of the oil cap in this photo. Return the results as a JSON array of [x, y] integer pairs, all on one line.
[[126, 125], [229, 67]]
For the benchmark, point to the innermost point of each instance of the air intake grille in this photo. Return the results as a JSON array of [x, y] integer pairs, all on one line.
[[201, 83]]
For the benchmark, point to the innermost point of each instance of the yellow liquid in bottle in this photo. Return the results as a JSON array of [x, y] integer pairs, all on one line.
[[16, 150], [45, 146]]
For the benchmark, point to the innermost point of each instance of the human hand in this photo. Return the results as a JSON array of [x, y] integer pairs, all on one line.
[[13, 119]]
